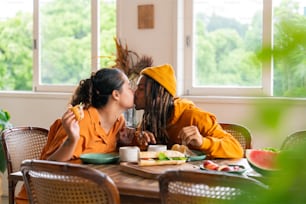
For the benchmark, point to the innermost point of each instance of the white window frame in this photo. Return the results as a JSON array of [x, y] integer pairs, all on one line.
[[95, 42], [266, 88]]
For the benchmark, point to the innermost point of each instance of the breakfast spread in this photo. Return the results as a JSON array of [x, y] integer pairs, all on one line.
[[166, 157]]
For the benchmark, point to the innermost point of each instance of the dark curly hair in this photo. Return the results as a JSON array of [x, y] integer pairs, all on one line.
[[96, 90]]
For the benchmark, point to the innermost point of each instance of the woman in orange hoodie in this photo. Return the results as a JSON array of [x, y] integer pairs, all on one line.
[[105, 96], [171, 120]]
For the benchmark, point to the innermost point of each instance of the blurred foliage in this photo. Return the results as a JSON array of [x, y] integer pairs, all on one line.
[[230, 50], [286, 185], [270, 113], [65, 43], [289, 183], [4, 123], [289, 51], [16, 67], [227, 51]]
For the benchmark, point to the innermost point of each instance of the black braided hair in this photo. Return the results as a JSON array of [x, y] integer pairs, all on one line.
[[159, 108]]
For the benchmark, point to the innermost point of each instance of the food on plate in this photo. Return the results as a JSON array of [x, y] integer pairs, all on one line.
[[225, 168], [150, 158], [210, 165], [183, 149], [78, 111], [261, 160]]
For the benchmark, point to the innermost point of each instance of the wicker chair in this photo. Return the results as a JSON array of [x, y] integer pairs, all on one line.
[[49, 182], [190, 187], [294, 139], [21, 143], [241, 133]]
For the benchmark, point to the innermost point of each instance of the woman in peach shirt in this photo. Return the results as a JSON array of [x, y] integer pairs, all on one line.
[[105, 96]]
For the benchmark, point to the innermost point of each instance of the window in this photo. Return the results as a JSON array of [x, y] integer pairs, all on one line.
[[16, 61], [228, 43], [69, 38]]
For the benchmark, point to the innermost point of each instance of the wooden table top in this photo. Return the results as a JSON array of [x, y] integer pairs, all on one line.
[[130, 184], [143, 185]]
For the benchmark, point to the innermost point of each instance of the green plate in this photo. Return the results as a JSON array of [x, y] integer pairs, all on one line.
[[99, 158], [199, 156]]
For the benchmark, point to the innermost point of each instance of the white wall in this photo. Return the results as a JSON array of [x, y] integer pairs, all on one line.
[[29, 109], [160, 43], [157, 42]]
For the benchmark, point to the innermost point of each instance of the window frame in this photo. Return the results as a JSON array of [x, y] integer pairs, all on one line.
[[266, 88], [95, 52]]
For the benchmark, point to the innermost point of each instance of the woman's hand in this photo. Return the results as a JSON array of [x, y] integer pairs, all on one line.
[[190, 135], [72, 128], [126, 136], [144, 138], [71, 125]]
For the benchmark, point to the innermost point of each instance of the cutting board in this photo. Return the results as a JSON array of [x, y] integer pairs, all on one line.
[[153, 172]]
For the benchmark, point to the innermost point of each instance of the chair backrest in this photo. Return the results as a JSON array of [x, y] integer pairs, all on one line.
[[294, 139], [20, 143], [178, 187], [241, 133], [49, 182]]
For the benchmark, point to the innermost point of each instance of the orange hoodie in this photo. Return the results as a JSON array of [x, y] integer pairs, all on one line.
[[217, 143]]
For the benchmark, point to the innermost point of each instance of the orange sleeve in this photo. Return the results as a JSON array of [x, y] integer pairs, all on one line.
[[216, 142], [221, 144], [56, 137]]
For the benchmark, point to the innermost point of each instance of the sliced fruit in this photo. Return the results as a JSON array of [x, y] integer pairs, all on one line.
[[225, 168], [262, 161], [210, 165]]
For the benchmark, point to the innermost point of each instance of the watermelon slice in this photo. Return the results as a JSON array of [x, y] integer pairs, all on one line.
[[262, 161]]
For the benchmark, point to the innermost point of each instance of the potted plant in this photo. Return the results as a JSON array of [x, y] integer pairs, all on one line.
[[4, 124]]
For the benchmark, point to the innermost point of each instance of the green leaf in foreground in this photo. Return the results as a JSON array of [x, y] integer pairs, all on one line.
[[272, 149]]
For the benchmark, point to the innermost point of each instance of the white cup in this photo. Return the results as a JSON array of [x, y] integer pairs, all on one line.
[[157, 148], [129, 154]]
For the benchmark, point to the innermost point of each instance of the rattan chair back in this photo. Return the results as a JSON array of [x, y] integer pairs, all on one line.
[[20, 143], [49, 182], [241, 133], [294, 139], [190, 187]]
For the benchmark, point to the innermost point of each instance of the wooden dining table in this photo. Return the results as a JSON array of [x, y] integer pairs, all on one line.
[[138, 185]]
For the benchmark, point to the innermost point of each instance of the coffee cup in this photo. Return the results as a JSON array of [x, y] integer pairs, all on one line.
[[129, 154]]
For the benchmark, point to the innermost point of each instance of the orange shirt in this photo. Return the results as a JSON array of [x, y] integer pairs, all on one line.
[[93, 139]]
